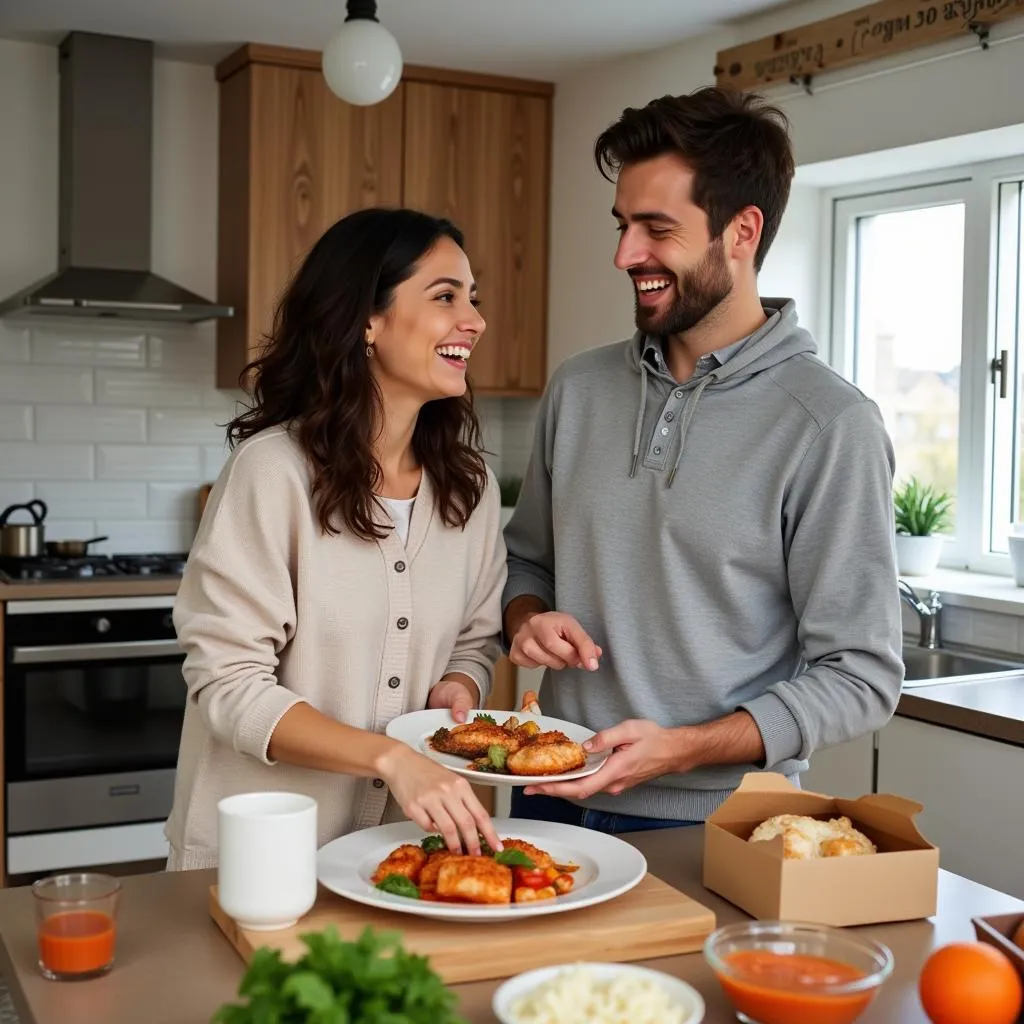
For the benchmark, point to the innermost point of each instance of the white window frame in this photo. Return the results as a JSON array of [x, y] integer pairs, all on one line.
[[976, 186]]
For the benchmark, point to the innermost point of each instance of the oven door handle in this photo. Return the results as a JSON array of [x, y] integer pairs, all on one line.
[[132, 649]]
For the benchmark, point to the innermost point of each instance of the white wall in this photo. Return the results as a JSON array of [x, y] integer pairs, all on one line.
[[868, 108], [116, 426]]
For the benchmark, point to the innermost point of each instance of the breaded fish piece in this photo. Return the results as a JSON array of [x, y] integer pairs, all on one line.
[[471, 739], [474, 880], [428, 876], [407, 860], [550, 753], [542, 860]]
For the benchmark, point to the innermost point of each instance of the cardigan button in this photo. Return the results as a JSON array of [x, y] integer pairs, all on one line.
[[399, 566], [378, 783], [402, 623], [394, 682]]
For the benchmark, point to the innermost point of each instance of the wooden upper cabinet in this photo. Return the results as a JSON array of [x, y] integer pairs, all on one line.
[[480, 157], [293, 160]]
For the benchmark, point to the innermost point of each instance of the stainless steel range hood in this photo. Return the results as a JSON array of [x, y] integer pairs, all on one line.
[[106, 173]]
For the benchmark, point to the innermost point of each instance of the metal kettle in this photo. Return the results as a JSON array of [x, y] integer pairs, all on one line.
[[23, 540]]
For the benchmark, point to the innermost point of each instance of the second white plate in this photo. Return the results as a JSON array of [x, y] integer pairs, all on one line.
[[417, 727]]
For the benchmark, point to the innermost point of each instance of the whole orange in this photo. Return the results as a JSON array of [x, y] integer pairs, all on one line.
[[970, 983]]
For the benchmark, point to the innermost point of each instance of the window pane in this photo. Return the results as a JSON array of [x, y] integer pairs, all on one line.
[[1007, 423], [907, 334]]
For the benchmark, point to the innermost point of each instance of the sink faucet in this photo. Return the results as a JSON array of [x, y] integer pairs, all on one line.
[[927, 613]]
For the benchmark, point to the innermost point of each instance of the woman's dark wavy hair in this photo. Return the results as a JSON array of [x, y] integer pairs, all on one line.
[[314, 376]]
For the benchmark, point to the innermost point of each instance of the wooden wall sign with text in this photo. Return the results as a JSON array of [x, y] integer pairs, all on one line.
[[878, 30]]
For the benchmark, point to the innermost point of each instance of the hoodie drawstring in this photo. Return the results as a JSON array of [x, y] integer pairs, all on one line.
[[684, 424], [639, 418]]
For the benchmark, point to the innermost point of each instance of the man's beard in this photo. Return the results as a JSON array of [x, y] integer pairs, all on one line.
[[698, 292]]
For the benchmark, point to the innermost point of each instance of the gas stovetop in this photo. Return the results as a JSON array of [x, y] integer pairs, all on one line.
[[91, 567]]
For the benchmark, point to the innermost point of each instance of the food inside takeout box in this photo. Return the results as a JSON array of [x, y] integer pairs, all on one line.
[[865, 861]]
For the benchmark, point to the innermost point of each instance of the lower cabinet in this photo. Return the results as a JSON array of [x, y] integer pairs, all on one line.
[[971, 789], [846, 770]]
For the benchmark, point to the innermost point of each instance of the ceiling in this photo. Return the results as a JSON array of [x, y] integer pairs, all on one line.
[[547, 39]]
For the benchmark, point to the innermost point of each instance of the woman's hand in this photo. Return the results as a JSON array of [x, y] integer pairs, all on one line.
[[457, 692], [438, 800]]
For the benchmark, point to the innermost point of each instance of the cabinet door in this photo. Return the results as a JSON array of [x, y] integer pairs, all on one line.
[[481, 158], [846, 770], [309, 160], [970, 789]]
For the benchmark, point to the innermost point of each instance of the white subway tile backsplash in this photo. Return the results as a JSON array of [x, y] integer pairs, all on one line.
[[173, 501], [45, 384], [148, 388], [14, 345], [214, 458], [183, 426], [145, 536], [97, 350], [182, 352], [15, 422], [72, 529], [957, 624], [95, 500], [147, 462], [93, 423], [25, 460], [15, 492], [995, 632]]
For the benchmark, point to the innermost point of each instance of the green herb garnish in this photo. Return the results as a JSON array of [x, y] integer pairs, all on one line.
[[485, 718], [371, 980], [399, 885], [485, 847], [512, 858], [433, 844], [497, 755]]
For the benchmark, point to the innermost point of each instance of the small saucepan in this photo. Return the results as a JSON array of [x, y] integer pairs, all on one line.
[[71, 548]]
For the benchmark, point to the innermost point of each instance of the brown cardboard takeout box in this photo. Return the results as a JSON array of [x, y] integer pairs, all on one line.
[[899, 883]]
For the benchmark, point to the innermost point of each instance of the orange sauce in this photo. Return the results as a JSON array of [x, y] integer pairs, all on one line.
[[772, 988], [76, 941]]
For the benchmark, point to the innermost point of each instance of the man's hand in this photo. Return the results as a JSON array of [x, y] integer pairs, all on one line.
[[457, 692], [643, 750], [555, 640]]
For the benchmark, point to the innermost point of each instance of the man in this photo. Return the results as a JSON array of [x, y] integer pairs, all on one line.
[[702, 552]]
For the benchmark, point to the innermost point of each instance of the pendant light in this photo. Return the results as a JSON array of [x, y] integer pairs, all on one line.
[[362, 64]]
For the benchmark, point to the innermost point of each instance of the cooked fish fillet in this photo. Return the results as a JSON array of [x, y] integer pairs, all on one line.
[[550, 753], [542, 860], [407, 860], [471, 739], [428, 876], [474, 880]]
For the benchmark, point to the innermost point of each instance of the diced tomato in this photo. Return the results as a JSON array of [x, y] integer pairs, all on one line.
[[531, 878]]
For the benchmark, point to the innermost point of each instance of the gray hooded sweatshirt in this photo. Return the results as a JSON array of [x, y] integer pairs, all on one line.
[[728, 542]]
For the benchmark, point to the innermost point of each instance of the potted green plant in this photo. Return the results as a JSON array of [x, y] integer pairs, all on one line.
[[364, 982], [922, 513]]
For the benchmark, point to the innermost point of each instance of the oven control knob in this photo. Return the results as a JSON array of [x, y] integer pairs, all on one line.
[[169, 621], [102, 625]]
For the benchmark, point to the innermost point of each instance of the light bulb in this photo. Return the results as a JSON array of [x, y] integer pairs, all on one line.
[[362, 64]]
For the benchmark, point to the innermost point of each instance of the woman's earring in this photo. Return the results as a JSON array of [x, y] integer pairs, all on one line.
[[369, 351]]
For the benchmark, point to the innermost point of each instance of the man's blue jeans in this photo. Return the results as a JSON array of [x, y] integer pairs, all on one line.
[[552, 808]]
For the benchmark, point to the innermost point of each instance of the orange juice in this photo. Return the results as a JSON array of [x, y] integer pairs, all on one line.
[[76, 941]]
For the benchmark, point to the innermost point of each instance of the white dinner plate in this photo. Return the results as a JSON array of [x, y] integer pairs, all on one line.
[[608, 867], [417, 727], [682, 996]]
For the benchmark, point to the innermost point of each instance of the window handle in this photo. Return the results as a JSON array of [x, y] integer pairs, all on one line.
[[1000, 366]]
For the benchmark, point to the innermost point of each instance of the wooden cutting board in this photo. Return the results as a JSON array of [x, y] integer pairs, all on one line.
[[649, 921]]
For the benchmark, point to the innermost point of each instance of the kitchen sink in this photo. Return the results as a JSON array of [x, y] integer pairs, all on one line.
[[925, 667]]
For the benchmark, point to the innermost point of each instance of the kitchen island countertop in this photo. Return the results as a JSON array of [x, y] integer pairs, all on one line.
[[993, 709], [174, 965], [111, 586]]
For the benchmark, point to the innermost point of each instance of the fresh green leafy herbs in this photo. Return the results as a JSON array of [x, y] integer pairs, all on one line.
[[399, 885], [485, 718], [513, 859], [433, 844], [373, 980]]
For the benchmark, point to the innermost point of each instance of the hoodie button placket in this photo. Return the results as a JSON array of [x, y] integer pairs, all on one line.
[[664, 430]]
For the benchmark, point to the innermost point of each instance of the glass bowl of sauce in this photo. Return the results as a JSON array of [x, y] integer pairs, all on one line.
[[781, 972]]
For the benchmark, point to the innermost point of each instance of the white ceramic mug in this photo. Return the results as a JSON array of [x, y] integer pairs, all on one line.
[[266, 868]]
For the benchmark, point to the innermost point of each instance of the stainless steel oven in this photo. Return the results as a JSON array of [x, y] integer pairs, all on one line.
[[93, 705]]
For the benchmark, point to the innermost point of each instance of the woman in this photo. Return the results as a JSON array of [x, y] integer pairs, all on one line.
[[349, 565]]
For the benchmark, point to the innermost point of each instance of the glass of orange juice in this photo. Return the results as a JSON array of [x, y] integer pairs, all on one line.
[[76, 924]]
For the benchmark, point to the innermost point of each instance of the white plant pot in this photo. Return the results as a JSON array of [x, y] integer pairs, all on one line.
[[918, 556]]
